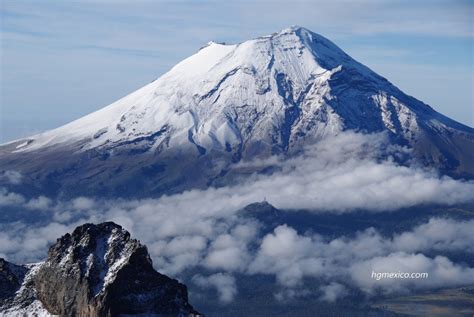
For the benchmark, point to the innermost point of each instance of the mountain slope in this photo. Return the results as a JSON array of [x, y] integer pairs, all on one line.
[[95, 271], [228, 103]]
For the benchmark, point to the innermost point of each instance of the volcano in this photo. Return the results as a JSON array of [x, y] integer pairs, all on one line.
[[229, 103]]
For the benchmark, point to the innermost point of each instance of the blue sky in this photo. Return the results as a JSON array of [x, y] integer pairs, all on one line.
[[61, 60]]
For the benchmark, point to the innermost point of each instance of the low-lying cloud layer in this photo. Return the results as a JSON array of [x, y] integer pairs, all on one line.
[[291, 257], [204, 229], [338, 174]]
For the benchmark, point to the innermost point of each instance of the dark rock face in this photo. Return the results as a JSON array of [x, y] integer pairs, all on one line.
[[11, 277], [99, 271]]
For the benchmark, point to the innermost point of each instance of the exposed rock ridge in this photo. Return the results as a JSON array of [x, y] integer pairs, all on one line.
[[98, 270]]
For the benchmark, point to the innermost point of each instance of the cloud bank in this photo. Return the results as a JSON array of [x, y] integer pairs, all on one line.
[[291, 257], [343, 173], [204, 229]]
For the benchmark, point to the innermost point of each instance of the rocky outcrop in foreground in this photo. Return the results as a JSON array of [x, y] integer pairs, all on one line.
[[98, 270]]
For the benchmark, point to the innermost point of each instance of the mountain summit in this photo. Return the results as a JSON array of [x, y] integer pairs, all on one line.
[[98, 270], [235, 102]]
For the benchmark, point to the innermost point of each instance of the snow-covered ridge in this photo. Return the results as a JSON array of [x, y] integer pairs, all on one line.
[[107, 254], [100, 254], [24, 303]]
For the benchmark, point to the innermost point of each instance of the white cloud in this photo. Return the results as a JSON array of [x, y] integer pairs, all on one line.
[[288, 294], [223, 243], [179, 253], [204, 228], [287, 255], [82, 203], [8, 198], [342, 173], [229, 251], [441, 273], [223, 283], [40, 202], [333, 292], [437, 234], [339, 174], [30, 243], [11, 177], [292, 257]]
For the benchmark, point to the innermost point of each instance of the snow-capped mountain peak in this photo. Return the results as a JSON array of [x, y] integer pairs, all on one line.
[[266, 73], [231, 102]]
